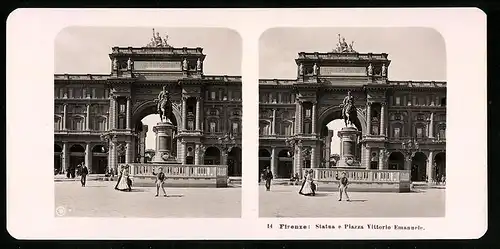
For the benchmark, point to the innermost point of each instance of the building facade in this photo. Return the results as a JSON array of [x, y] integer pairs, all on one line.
[[294, 114], [97, 118]]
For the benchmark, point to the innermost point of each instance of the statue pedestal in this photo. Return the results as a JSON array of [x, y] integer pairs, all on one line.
[[348, 144], [164, 132]]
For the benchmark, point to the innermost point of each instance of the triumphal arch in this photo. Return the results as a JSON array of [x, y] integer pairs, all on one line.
[[401, 124], [97, 117]]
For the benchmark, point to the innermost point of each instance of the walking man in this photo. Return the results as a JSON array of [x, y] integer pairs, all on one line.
[[160, 179], [268, 176], [343, 182], [84, 171]]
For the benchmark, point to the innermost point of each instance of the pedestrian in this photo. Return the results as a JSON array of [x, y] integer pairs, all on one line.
[[124, 183], [343, 182], [84, 171], [160, 180], [307, 187], [268, 176]]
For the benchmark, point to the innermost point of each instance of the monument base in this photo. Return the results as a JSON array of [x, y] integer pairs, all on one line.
[[348, 144], [164, 132]]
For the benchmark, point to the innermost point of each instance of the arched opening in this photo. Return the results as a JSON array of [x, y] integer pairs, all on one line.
[[57, 159], [396, 161], [234, 162], [440, 166], [330, 124], [144, 119], [99, 159], [76, 157], [285, 164], [418, 167], [212, 156], [264, 160]]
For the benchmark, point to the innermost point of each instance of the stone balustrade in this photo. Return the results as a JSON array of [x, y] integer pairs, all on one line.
[[363, 180], [180, 175]]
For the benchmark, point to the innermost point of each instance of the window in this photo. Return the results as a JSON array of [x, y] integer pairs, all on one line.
[[308, 113], [419, 132], [307, 128], [442, 133], [264, 128], [121, 122], [122, 108], [78, 124], [375, 130], [78, 93], [398, 100], [397, 132], [237, 95], [70, 93], [212, 126], [57, 123], [212, 95], [190, 125], [235, 128], [287, 128], [100, 124]]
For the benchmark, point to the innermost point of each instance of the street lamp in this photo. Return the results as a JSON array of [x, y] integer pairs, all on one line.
[[409, 148]]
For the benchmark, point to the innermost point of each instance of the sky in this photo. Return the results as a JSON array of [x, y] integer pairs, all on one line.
[[415, 53], [85, 50]]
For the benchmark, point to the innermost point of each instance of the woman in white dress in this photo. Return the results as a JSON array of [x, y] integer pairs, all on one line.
[[123, 183], [307, 188]]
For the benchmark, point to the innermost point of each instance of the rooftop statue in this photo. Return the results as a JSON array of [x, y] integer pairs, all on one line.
[[343, 47], [158, 42]]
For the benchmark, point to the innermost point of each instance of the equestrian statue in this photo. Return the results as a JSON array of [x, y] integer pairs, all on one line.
[[349, 113], [164, 106]]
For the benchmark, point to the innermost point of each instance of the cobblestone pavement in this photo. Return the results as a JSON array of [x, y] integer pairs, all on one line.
[[284, 201], [100, 199]]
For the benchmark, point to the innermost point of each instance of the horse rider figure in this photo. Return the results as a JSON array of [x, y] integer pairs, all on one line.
[[164, 106], [348, 109]]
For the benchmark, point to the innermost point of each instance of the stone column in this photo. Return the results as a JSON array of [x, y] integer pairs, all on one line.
[[297, 117], [88, 157], [65, 116], [273, 132], [301, 117], [128, 113], [298, 165], [381, 159], [382, 118], [431, 126], [183, 153], [198, 114], [368, 118], [184, 113], [367, 157], [429, 171], [313, 119], [224, 154], [112, 112], [87, 119], [274, 166], [197, 154], [113, 162], [313, 157], [128, 152], [65, 157]]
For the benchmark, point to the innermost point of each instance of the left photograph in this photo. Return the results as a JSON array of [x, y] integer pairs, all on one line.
[[147, 122]]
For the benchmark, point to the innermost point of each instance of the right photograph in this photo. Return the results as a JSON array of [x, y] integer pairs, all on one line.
[[352, 122]]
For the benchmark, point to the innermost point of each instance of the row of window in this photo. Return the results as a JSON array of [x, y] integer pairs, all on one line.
[[421, 132], [78, 124], [220, 94], [214, 126], [277, 97], [281, 128], [80, 93], [81, 109], [419, 101]]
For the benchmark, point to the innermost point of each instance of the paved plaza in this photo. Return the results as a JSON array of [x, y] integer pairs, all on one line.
[[99, 199], [284, 201]]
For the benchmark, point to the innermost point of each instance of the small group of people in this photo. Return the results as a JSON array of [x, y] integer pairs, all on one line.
[[124, 183], [308, 187]]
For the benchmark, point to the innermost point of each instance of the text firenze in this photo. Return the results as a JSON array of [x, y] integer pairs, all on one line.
[[351, 227]]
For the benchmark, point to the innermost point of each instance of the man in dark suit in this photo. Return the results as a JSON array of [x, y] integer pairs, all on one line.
[[84, 172], [268, 176]]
